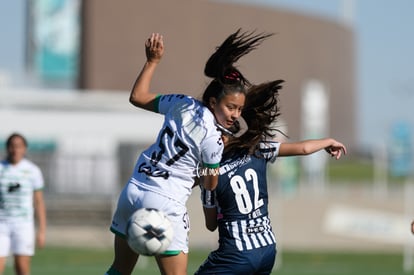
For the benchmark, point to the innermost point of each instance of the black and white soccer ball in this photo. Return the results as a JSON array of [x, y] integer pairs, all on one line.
[[149, 232]]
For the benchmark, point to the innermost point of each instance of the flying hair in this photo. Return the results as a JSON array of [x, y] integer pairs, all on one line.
[[220, 66]]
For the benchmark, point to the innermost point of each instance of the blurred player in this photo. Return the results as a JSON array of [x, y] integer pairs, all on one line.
[[164, 173], [239, 204], [21, 197]]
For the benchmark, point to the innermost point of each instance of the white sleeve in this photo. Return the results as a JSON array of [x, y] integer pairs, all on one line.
[[38, 182], [165, 102], [211, 151]]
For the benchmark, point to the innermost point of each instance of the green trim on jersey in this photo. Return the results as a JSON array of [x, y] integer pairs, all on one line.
[[113, 271], [156, 103], [171, 252], [123, 236], [208, 165]]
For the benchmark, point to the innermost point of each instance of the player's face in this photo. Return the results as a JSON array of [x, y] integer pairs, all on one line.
[[16, 150], [228, 109]]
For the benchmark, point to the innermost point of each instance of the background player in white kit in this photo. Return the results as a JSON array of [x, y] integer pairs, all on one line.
[[189, 140], [21, 199], [239, 204]]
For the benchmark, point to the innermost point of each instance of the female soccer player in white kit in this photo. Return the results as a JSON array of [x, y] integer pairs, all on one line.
[[189, 140], [21, 199]]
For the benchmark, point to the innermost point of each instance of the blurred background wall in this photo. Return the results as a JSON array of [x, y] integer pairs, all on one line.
[[303, 49]]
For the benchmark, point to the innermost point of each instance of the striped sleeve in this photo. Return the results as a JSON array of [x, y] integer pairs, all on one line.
[[269, 150]]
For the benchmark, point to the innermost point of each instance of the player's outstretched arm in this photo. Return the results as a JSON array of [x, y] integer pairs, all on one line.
[[140, 95], [306, 147]]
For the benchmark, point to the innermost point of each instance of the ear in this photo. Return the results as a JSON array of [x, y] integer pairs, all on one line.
[[212, 102]]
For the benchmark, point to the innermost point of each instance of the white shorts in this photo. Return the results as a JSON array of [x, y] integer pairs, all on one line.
[[17, 239], [134, 197]]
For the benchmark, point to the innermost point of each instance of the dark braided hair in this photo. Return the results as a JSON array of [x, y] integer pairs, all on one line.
[[260, 113], [220, 66]]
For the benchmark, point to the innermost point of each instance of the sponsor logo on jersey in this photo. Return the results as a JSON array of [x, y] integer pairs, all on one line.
[[215, 154], [255, 229], [226, 168]]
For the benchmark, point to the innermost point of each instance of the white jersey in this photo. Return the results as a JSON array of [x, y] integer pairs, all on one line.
[[188, 140], [17, 184]]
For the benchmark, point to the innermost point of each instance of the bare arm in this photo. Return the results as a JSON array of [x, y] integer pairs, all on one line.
[[40, 214], [140, 95], [210, 218], [210, 181], [306, 147]]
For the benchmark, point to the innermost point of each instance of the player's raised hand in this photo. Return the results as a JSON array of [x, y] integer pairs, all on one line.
[[154, 48]]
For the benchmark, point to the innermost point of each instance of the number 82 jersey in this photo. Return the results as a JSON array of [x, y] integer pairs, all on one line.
[[242, 199]]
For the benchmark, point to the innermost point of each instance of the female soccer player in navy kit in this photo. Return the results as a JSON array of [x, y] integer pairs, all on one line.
[[164, 173], [239, 204]]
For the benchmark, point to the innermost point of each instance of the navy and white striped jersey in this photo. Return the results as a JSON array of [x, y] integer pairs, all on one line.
[[242, 199]]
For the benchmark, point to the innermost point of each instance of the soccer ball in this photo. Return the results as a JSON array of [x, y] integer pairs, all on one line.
[[149, 231]]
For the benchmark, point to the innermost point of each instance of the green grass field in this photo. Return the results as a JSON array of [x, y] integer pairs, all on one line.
[[82, 261]]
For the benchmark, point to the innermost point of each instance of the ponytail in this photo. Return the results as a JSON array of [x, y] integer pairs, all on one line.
[[220, 66]]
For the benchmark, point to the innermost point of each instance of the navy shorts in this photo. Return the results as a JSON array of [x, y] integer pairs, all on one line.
[[255, 261]]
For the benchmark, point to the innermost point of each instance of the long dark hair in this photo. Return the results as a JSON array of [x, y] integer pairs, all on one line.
[[260, 112], [220, 66]]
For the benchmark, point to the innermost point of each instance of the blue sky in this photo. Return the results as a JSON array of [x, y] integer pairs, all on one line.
[[11, 29], [384, 44]]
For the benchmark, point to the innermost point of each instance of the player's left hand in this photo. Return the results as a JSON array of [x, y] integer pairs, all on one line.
[[40, 239], [336, 150]]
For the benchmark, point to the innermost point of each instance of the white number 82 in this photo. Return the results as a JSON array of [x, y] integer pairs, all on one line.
[[242, 195]]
